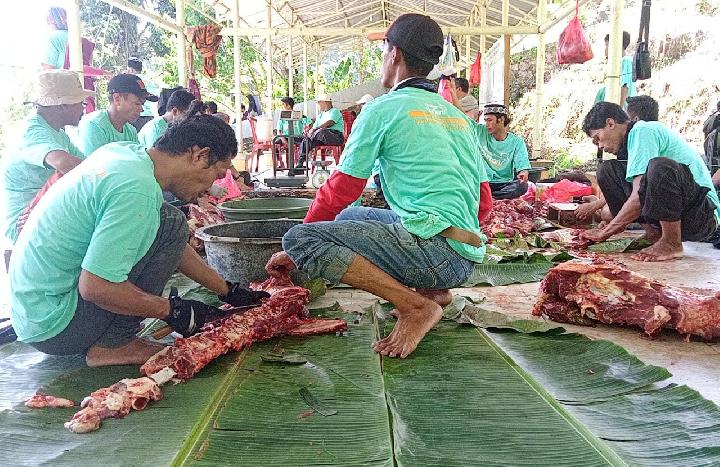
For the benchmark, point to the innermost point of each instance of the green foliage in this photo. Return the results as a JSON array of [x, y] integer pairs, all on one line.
[[564, 161], [354, 69]]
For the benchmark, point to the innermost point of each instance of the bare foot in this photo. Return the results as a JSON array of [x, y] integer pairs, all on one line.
[[442, 297], [411, 327], [661, 250], [136, 352], [652, 233]]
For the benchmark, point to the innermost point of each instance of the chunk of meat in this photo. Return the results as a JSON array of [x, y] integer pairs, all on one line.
[[511, 217], [586, 293], [41, 401]]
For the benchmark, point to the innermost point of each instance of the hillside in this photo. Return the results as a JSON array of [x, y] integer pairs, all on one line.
[[685, 81]]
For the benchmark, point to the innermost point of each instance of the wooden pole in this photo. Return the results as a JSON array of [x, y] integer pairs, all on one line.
[[236, 71], [612, 83], [180, 38], [75, 38], [467, 57], [305, 79], [539, 83], [269, 62], [506, 72], [291, 69], [317, 70]]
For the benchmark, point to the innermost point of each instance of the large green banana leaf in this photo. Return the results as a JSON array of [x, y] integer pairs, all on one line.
[[507, 273], [465, 397]]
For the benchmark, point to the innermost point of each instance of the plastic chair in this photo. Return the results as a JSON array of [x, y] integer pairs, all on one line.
[[335, 151], [257, 147]]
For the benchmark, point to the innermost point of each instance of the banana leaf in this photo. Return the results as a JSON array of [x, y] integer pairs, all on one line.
[[620, 245], [507, 273]]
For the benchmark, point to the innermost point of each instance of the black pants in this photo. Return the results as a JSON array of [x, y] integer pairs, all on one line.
[[323, 137], [508, 190], [668, 192], [95, 326], [140, 122], [379, 195]]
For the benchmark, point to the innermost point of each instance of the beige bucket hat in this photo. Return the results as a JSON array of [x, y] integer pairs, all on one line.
[[60, 87], [323, 98]]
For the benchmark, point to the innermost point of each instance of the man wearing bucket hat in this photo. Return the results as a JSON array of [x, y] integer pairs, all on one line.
[[127, 94], [327, 129], [45, 152], [97, 252], [431, 173]]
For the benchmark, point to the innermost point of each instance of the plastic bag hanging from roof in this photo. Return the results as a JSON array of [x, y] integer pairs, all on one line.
[[448, 59], [573, 45], [476, 71]]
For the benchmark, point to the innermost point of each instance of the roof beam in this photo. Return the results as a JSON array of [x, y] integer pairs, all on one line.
[[139, 12], [566, 10], [361, 31]]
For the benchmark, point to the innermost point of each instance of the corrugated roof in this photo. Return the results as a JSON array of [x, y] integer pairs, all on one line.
[[371, 14]]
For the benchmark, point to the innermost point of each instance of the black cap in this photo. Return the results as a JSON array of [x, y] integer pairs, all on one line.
[[127, 83], [416, 34]]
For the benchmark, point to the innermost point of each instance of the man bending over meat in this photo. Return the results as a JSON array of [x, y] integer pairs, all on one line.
[[666, 184], [100, 246], [431, 171]]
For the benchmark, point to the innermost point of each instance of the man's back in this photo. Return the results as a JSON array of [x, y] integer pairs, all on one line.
[[101, 216], [430, 166]]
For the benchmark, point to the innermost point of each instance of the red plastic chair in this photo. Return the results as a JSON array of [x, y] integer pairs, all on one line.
[[257, 147]]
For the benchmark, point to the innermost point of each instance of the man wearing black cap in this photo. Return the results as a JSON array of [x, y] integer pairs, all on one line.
[[504, 153], [431, 172], [127, 94]]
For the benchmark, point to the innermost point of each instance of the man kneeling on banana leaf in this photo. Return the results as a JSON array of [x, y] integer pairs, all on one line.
[[431, 173], [99, 248]]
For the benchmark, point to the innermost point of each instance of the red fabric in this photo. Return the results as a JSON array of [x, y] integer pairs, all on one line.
[[337, 193], [22, 219], [194, 88], [476, 71], [207, 40], [348, 120], [573, 45], [485, 201]]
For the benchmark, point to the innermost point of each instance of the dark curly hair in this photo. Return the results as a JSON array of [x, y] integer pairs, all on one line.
[[600, 112], [203, 131]]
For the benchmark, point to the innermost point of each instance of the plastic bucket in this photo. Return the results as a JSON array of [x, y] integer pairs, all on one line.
[[239, 251], [265, 208]]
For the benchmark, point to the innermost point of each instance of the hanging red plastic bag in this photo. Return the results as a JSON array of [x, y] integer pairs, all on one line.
[[476, 71], [565, 190], [573, 45], [530, 194]]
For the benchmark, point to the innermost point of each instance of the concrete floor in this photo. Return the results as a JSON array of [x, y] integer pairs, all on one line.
[[696, 364]]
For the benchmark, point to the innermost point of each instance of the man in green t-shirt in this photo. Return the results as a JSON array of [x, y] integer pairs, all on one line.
[[326, 131], [45, 152], [666, 185], [56, 47], [431, 173], [504, 153], [627, 85], [127, 95], [178, 106], [98, 250]]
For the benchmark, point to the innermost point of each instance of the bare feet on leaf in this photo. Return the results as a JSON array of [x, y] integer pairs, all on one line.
[[411, 327]]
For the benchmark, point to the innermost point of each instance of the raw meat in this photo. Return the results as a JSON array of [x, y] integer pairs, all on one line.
[[41, 401], [586, 293], [511, 217], [569, 238], [115, 401], [199, 215], [283, 313], [273, 284]]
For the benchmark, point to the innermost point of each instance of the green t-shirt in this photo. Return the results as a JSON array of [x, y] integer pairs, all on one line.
[[55, 49], [96, 129], [648, 140], [626, 74], [503, 159], [102, 217], [152, 131], [430, 189], [25, 171], [283, 126], [333, 114]]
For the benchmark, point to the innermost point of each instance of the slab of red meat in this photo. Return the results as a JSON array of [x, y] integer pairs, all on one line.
[[199, 215], [511, 217], [569, 238], [586, 293], [115, 401], [41, 401], [273, 284]]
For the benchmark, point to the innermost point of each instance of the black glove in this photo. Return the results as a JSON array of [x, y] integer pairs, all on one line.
[[239, 296], [188, 316]]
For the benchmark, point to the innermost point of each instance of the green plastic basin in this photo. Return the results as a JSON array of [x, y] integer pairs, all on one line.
[[265, 208]]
